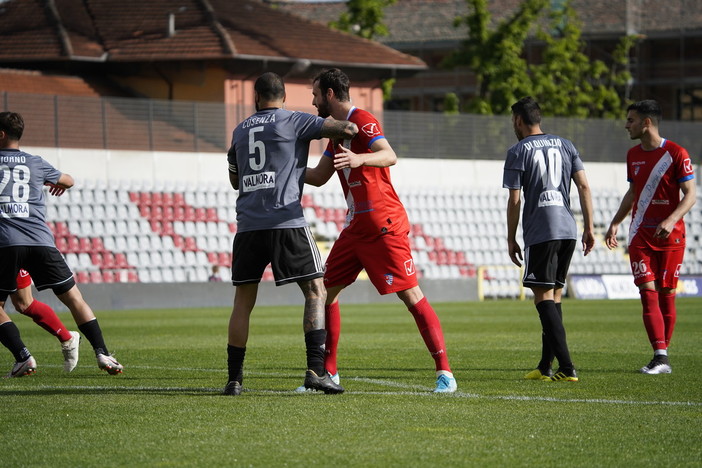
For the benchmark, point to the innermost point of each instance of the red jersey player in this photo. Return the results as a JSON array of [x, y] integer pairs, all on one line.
[[657, 170], [375, 237]]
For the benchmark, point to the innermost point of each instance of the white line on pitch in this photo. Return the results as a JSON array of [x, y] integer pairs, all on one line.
[[423, 392]]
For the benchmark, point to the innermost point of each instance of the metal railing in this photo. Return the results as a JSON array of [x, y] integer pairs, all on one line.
[[160, 125]]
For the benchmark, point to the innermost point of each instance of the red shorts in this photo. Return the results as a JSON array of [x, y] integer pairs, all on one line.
[[23, 279], [660, 266], [387, 261]]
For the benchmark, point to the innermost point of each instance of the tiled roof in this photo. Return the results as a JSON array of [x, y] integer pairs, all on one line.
[[38, 83], [416, 21], [138, 31]]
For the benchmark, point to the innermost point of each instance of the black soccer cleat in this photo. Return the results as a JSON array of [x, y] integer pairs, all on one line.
[[232, 388], [323, 383]]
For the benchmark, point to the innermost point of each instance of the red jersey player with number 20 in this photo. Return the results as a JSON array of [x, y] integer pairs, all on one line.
[[657, 170], [375, 237]]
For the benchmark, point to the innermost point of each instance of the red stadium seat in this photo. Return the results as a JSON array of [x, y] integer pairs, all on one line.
[[145, 211], [82, 277], [190, 244], [200, 215], [178, 241], [96, 245], [132, 276], [96, 259], [157, 212], [61, 229], [178, 199], [211, 215], [167, 229], [178, 213], [108, 276], [156, 226], [121, 261], [157, 198], [145, 198], [95, 277], [167, 199], [168, 214], [72, 245], [224, 259], [108, 260], [61, 244], [134, 197], [84, 244], [213, 258], [189, 213]]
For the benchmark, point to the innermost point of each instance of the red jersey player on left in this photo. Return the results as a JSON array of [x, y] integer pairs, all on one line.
[[45, 317]]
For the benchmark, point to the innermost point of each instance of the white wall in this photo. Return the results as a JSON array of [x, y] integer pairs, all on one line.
[[151, 167]]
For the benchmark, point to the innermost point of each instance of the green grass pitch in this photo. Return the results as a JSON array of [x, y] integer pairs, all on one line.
[[166, 410]]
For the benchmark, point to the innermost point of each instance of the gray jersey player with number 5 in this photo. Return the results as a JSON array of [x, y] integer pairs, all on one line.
[[267, 163]]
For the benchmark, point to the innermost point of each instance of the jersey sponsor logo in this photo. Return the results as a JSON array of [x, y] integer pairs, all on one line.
[[687, 166], [14, 210], [550, 198], [389, 278], [660, 202], [371, 129], [531, 276], [409, 267], [260, 181]]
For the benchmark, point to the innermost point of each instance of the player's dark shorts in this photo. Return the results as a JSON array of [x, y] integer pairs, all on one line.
[[292, 253], [546, 264], [45, 264]]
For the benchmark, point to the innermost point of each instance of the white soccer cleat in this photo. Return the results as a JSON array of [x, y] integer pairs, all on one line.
[[109, 364], [26, 367], [70, 352]]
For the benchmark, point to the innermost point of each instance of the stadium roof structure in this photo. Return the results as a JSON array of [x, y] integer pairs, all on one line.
[[241, 34]]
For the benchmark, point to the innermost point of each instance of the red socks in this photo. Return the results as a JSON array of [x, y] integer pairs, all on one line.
[[430, 329], [45, 317], [666, 302], [653, 319], [332, 319]]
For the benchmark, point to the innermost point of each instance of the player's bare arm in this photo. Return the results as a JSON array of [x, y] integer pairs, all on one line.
[[339, 129], [382, 156], [514, 204], [624, 209], [585, 196], [233, 170], [320, 174], [686, 203]]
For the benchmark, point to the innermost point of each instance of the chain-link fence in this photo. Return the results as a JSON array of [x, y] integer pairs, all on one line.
[[160, 125]]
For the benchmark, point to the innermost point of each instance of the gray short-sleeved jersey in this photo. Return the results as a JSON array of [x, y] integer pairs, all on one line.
[[543, 166], [22, 202], [270, 149]]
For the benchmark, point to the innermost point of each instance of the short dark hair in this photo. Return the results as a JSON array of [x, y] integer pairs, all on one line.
[[336, 80], [528, 109], [647, 108], [270, 87], [12, 123]]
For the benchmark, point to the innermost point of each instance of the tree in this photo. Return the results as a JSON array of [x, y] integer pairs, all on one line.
[[496, 56], [566, 80], [363, 18]]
